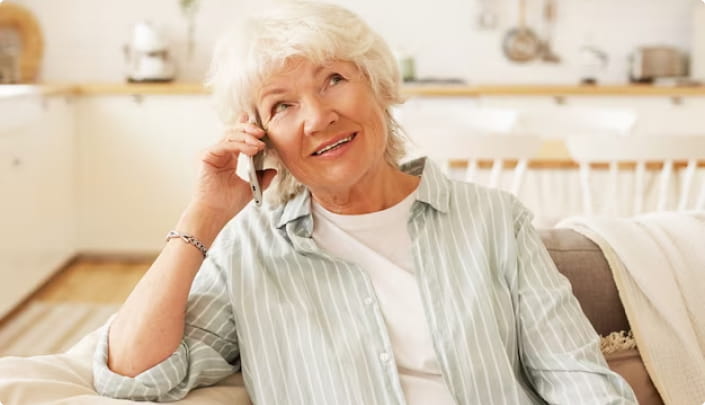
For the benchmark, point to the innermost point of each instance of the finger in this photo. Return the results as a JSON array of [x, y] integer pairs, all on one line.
[[247, 128], [225, 154], [244, 117], [246, 139], [243, 139]]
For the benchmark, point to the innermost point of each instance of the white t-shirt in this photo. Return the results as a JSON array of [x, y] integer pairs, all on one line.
[[379, 243]]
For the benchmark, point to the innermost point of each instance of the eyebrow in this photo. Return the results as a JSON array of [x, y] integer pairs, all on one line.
[[280, 90]]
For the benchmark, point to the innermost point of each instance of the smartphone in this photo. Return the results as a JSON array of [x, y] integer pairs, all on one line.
[[255, 163]]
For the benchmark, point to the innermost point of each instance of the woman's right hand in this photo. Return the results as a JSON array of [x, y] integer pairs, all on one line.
[[219, 189], [150, 324]]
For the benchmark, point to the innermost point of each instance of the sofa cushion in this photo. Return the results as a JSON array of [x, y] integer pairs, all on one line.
[[582, 262], [629, 365]]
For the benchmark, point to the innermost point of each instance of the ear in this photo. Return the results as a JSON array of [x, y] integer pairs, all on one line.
[[265, 177]]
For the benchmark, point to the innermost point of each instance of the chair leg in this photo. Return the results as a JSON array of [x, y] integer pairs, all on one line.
[[471, 172], [663, 185], [610, 199], [685, 186], [639, 175], [496, 174], [700, 204], [584, 168], [519, 172]]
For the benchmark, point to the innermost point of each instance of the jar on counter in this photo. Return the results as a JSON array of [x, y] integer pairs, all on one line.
[[407, 66]]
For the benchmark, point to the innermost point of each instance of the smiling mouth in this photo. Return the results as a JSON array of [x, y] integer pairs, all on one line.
[[335, 145]]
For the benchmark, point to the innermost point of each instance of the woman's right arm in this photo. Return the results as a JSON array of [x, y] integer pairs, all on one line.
[[150, 325]]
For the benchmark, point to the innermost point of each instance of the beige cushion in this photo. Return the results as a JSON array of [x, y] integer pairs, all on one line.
[[582, 262]]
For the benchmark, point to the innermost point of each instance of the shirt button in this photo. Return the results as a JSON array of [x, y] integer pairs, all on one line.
[[384, 356], [369, 301]]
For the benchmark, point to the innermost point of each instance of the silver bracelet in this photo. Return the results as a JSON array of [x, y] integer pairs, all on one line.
[[188, 239]]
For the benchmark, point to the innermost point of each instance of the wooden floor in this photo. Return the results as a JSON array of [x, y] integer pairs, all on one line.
[[92, 280], [104, 281]]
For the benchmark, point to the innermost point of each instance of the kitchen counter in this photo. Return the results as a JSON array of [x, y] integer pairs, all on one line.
[[22, 90], [423, 90]]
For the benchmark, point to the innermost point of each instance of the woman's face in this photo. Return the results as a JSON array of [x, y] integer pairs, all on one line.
[[325, 122]]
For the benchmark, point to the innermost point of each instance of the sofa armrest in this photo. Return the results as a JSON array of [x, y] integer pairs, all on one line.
[[582, 262], [67, 378]]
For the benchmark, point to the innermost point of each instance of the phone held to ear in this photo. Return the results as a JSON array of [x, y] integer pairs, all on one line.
[[255, 163]]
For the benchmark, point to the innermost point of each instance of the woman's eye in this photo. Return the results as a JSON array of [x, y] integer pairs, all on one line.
[[335, 78], [279, 107]]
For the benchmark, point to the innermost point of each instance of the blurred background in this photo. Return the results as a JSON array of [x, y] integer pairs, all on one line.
[[579, 107]]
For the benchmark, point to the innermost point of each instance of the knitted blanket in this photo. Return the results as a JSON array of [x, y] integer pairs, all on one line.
[[658, 264]]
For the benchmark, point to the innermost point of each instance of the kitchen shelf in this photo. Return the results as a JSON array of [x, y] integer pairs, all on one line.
[[139, 88], [24, 90], [423, 90], [628, 90]]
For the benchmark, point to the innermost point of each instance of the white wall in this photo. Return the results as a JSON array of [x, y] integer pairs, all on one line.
[[84, 38]]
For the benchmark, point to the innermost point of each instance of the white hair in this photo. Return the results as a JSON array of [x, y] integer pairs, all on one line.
[[244, 59]]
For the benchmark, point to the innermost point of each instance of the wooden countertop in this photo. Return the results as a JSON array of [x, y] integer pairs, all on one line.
[[628, 90], [409, 89]]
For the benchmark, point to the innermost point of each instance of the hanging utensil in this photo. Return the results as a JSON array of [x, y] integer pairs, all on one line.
[[521, 44], [487, 17], [549, 17]]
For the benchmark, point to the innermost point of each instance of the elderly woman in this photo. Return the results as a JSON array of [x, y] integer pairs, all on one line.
[[363, 281]]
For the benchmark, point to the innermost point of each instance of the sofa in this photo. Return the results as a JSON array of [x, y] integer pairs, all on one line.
[[582, 262], [66, 378]]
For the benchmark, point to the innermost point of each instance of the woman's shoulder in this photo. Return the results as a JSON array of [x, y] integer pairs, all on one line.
[[481, 195], [474, 197]]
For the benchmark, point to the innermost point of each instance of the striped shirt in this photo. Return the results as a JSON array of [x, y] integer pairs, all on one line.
[[304, 327]]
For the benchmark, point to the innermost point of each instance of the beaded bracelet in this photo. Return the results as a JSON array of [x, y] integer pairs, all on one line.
[[188, 239]]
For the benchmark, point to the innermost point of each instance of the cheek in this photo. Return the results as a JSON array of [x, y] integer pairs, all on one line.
[[377, 124]]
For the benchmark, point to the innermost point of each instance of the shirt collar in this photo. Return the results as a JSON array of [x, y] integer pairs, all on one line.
[[433, 190]]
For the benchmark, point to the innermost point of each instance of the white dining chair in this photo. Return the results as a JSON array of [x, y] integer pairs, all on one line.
[[563, 121], [454, 112], [663, 150], [447, 145]]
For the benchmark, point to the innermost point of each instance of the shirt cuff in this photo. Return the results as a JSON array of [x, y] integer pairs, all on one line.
[[159, 383]]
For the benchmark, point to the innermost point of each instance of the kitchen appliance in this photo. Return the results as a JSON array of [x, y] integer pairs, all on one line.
[[147, 55], [593, 63], [649, 63], [549, 15], [521, 44]]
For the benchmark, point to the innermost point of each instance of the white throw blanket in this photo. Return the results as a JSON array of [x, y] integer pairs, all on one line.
[[658, 263]]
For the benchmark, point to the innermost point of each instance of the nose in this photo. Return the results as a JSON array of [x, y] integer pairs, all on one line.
[[319, 115]]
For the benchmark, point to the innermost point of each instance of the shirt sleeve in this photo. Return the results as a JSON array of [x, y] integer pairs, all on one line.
[[559, 348], [208, 351]]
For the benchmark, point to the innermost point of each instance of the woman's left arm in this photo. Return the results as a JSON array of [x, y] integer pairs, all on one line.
[[559, 348]]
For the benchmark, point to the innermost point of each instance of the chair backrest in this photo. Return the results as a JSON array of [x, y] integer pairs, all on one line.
[[446, 145], [662, 150], [455, 112], [562, 121]]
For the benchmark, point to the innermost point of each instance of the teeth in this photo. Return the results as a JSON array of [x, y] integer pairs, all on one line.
[[335, 145]]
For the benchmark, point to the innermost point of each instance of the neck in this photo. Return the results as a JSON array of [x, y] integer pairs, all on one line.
[[385, 189]]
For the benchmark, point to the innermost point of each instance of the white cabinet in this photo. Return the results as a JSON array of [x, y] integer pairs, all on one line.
[[37, 191], [137, 166]]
